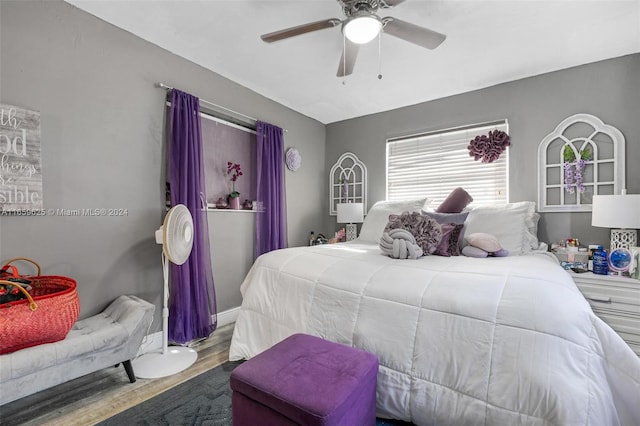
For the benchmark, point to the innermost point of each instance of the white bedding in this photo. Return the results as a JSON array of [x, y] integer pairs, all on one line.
[[496, 341]]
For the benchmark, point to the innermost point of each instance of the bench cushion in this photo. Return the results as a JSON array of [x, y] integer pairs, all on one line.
[[311, 381], [106, 339]]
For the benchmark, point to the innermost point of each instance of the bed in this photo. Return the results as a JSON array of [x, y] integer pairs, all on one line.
[[460, 340]]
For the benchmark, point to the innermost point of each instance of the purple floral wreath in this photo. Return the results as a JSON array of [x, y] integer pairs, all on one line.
[[489, 147]]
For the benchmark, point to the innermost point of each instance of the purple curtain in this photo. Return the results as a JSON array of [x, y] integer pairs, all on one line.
[[192, 306], [271, 220]]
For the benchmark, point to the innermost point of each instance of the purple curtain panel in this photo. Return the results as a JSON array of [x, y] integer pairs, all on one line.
[[271, 219], [192, 309]]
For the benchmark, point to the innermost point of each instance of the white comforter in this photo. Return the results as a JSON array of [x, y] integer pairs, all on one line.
[[496, 341]]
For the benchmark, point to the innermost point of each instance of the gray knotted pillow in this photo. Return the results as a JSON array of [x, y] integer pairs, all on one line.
[[425, 230]]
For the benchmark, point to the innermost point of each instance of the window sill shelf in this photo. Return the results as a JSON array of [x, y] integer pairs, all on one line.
[[231, 210]]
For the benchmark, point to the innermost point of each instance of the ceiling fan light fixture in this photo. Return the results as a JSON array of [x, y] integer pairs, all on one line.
[[362, 29]]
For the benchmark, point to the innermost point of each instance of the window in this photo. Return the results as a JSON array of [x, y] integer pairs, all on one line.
[[224, 141], [433, 164], [224, 138]]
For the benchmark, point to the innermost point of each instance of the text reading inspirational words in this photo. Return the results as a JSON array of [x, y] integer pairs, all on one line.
[[20, 174]]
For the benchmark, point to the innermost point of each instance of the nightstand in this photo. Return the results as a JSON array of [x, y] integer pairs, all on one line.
[[616, 300]]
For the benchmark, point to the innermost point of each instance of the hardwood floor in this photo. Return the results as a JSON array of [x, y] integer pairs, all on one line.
[[95, 397]]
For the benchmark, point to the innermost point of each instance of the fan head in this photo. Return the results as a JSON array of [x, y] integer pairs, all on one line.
[[176, 234], [360, 26]]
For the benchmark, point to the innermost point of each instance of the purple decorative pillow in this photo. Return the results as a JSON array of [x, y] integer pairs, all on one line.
[[449, 219], [455, 202], [449, 243], [455, 218]]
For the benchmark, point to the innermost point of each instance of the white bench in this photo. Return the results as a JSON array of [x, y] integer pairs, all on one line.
[[112, 337]]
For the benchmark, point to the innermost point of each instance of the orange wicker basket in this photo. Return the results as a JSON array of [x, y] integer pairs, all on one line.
[[45, 316]]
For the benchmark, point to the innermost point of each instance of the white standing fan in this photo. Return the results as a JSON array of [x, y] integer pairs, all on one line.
[[176, 237]]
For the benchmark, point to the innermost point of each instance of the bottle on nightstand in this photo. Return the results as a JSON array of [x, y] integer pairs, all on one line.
[[600, 262]]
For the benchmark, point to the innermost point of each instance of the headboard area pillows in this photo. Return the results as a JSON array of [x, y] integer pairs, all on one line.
[[455, 202], [378, 216], [514, 225]]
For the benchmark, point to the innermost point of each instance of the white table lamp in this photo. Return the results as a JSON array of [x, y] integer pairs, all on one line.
[[618, 211], [350, 213]]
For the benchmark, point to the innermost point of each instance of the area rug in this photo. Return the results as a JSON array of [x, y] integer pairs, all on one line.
[[203, 400]]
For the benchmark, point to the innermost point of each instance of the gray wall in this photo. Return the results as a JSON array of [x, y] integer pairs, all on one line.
[[102, 146], [534, 106], [231, 253], [102, 138]]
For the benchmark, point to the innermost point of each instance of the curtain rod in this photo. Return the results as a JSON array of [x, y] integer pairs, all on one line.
[[164, 86]]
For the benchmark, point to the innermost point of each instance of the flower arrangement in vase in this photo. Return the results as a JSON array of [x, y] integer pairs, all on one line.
[[235, 171], [573, 168]]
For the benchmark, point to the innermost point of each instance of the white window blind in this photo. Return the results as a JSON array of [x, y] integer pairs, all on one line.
[[433, 164]]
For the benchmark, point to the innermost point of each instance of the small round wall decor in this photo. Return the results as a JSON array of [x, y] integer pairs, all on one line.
[[293, 159]]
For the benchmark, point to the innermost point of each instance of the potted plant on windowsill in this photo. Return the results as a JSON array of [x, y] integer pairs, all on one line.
[[235, 171]]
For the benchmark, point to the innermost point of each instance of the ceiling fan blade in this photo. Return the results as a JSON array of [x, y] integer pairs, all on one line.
[[348, 58], [390, 3], [413, 33], [300, 29]]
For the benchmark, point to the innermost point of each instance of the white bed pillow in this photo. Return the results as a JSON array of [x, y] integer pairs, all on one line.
[[378, 216], [512, 224]]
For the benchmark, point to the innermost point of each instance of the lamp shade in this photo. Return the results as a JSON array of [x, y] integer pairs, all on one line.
[[616, 211], [350, 212]]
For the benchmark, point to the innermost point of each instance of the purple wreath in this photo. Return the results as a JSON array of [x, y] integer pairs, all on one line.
[[488, 148]]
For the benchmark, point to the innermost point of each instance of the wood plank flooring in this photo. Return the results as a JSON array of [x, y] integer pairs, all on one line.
[[96, 397]]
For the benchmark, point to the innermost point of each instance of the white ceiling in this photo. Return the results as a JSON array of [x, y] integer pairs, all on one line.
[[488, 42]]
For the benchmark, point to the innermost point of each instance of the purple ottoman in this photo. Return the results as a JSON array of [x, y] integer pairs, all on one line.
[[305, 380]]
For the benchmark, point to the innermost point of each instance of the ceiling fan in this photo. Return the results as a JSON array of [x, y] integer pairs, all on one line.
[[360, 26]]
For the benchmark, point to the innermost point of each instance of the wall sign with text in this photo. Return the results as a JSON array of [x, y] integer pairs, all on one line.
[[20, 163]]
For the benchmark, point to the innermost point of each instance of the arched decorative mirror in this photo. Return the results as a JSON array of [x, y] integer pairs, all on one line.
[[347, 182], [582, 157]]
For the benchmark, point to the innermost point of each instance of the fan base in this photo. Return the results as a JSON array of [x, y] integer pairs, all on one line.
[[155, 365]]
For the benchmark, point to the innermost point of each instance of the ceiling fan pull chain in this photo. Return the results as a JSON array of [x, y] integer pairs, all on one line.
[[380, 55]]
